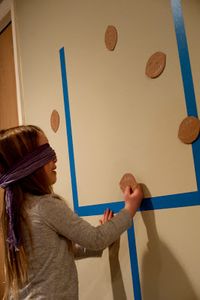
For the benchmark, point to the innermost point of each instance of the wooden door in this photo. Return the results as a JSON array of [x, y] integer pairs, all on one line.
[[8, 106], [8, 99]]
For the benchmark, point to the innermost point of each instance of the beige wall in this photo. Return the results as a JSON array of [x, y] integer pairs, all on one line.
[[121, 121]]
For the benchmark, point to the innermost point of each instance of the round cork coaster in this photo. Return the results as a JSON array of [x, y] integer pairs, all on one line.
[[189, 130], [55, 120], [156, 65], [128, 180], [111, 37]]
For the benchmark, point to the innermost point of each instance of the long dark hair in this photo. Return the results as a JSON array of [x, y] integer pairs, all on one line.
[[14, 144]]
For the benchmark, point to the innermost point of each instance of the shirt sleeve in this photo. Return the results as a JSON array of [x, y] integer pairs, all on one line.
[[57, 215], [81, 252]]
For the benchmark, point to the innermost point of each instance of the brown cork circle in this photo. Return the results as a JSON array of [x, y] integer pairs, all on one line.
[[111, 37], [55, 120], [155, 65], [128, 180], [189, 129]]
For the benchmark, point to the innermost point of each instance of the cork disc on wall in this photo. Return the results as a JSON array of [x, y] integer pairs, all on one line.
[[189, 129], [55, 120], [111, 37], [155, 65]]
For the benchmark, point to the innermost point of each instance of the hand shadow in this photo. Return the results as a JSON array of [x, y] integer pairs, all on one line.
[[162, 276], [116, 274]]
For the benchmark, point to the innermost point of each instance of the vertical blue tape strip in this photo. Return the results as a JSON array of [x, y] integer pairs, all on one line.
[[134, 263], [184, 58], [68, 128], [196, 155]]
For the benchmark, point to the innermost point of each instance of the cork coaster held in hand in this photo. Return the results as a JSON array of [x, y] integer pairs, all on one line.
[[128, 180]]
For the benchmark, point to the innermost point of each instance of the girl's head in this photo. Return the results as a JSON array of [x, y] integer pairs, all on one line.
[[50, 167], [15, 144]]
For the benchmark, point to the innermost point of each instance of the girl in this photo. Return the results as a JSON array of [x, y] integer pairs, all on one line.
[[41, 233]]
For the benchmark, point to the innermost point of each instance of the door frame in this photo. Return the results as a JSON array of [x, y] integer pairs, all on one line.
[[8, 15]]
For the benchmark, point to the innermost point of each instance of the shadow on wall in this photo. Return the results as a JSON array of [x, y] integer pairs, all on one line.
[[162, 276], [118, 289]]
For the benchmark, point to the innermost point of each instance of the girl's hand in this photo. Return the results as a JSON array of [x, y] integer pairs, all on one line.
[[107, 216], [133, 199]]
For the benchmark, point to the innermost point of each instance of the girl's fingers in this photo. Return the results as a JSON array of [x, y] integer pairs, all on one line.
[[110, 215], [107, 216], [127, 191], [102, 220]]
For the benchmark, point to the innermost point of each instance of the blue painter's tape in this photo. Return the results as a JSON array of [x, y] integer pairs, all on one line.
[[184, 58], [69, 129], [171, 201], [162, 202], [134, 263], [196, 156], [98, 209]]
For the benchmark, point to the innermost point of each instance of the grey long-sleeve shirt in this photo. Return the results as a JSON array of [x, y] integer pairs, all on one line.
[[52, 271]]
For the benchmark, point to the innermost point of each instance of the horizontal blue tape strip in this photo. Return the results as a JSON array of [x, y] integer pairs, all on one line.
[[171, 201], [98, 209], [162, 202]]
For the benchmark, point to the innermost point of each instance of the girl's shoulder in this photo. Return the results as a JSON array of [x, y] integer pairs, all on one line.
[[34, 202]]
